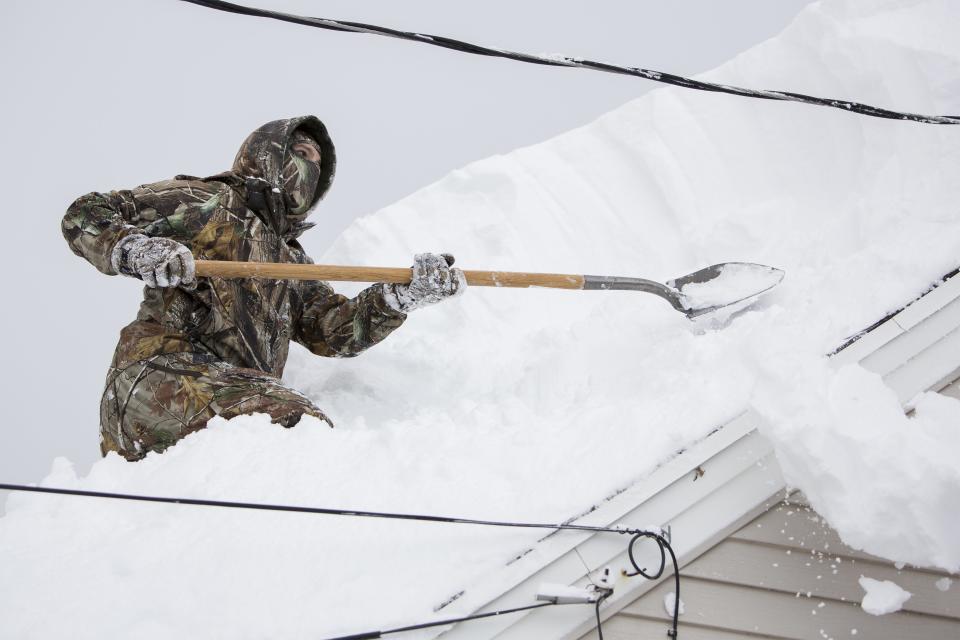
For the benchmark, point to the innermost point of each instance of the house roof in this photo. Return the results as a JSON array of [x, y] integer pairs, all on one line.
[[708, 490], [532, 405]]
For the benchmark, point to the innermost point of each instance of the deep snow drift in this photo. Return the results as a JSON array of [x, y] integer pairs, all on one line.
[[535, 404]]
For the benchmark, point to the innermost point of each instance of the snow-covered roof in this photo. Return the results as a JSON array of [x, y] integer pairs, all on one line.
[[533, 405], [711, 488]]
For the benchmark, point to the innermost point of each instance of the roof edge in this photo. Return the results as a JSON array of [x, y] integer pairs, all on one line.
[[911, 349]]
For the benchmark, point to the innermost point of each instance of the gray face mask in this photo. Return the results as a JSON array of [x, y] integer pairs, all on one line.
[[301, 173]]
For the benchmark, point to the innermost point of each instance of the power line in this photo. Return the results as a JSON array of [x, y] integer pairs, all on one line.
[[582, 63], [370, 635], [315, 510], [636, 535]]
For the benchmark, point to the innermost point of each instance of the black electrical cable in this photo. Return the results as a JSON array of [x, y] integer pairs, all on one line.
[[596, 611], [637, 534], [562, 61], [370, 635], [315, 510], [664, 547]]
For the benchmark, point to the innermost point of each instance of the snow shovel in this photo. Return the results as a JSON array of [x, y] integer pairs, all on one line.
[[694, 294]]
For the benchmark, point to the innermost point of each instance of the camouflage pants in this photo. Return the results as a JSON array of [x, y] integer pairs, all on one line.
[[151, 404]]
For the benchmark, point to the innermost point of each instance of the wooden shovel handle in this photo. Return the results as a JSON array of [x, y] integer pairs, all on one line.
[[288, 271]]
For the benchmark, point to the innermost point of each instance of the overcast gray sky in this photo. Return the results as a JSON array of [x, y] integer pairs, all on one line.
[[109, 94]]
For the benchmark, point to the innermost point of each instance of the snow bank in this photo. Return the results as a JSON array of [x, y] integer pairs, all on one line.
[[535, 404], [882, 597]]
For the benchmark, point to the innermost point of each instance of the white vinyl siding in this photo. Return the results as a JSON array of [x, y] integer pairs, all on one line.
[[787, 575]]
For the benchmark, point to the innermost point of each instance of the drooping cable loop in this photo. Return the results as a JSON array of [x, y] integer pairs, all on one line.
[[637, 534], [642, 571], [582, 63]]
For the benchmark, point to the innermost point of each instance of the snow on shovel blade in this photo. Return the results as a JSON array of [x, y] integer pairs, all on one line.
[[722, 285], [700, 292]]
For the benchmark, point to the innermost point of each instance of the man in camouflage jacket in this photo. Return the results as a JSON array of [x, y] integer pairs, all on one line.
[[214, 346]]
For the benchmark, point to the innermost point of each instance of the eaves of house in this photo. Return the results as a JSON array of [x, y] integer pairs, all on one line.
[[707, 493]]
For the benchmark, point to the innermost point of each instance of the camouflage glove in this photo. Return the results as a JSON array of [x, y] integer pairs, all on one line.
[[433, 281], [159, 262]]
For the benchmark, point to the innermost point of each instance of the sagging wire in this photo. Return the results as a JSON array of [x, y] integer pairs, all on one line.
[[637, 534], [371, 635], [581, 63]]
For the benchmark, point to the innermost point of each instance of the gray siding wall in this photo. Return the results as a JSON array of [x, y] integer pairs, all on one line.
[[787, 575]]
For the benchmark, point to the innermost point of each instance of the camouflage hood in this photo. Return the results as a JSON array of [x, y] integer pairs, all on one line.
[[260, 161]]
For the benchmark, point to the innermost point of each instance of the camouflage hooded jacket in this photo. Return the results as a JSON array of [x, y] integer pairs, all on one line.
[[237, 215]]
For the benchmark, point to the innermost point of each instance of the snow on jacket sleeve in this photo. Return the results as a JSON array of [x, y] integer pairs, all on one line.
[[95, 222], [330, 324]]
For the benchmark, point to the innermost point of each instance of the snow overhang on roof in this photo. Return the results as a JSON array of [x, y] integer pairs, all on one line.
[[706, 491]]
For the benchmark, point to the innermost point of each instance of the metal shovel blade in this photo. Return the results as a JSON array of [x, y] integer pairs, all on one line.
[[703, 291], [722, 285]]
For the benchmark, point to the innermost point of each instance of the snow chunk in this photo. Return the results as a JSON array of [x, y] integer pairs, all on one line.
[[833, 428], [668, 603], [944, 584], [735, 282], [882, 597]]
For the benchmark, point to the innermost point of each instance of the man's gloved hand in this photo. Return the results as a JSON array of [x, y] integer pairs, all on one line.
[[433, 281], [159, 262]]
